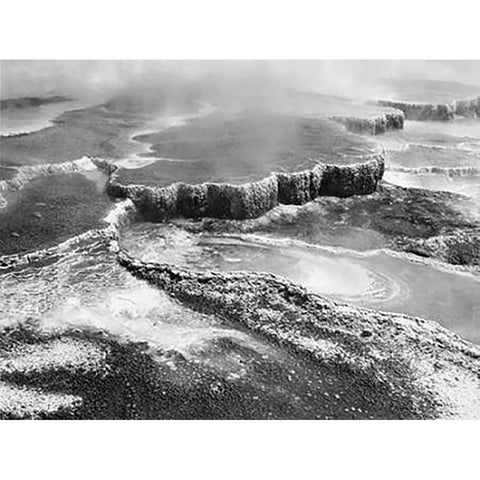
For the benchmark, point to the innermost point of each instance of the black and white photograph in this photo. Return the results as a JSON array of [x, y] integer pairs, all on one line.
[[216, 240], [236, 239]]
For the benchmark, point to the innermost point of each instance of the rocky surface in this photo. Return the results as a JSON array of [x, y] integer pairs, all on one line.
[[461, 247], [435, 112], [373, 126], [251, 199], [90, 375], [78, 374], [402, 362], [409, 216], [468, 108], [421, 111]]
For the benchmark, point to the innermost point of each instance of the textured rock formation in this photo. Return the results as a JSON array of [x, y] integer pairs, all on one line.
[[430, 111], [403, 358], [251, 200], [461, 247], [373, 126], [421, 111], [468, 108]]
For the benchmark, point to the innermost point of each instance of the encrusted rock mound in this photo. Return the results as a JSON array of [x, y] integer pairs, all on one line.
[[468, 108], [437, 112], [250, 200], [421, 111], [374, 126]]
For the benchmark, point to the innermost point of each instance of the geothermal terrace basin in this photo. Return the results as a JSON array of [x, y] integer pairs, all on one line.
[[233, 319]]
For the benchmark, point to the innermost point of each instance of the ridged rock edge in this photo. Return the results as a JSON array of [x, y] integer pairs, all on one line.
[[373, 126], [437, 112], [251, 200]]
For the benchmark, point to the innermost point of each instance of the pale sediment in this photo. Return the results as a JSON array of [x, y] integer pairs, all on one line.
[[402, 357], [250, 200]]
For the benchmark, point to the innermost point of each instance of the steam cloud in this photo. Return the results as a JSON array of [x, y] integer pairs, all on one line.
[[248, 82]]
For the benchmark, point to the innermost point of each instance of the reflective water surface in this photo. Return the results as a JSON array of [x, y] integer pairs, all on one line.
[[374, 279]]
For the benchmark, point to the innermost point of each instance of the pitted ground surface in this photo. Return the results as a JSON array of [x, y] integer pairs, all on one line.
[[75, 375]]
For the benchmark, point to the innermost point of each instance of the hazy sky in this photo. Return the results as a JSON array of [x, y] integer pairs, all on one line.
[[97, 78]]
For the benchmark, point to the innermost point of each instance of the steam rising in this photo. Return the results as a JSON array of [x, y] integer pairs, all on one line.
[[250, 83]]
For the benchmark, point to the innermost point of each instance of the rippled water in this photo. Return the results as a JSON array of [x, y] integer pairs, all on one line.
[[461, 133], [374, 279], [449, 145], [468, 185]]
